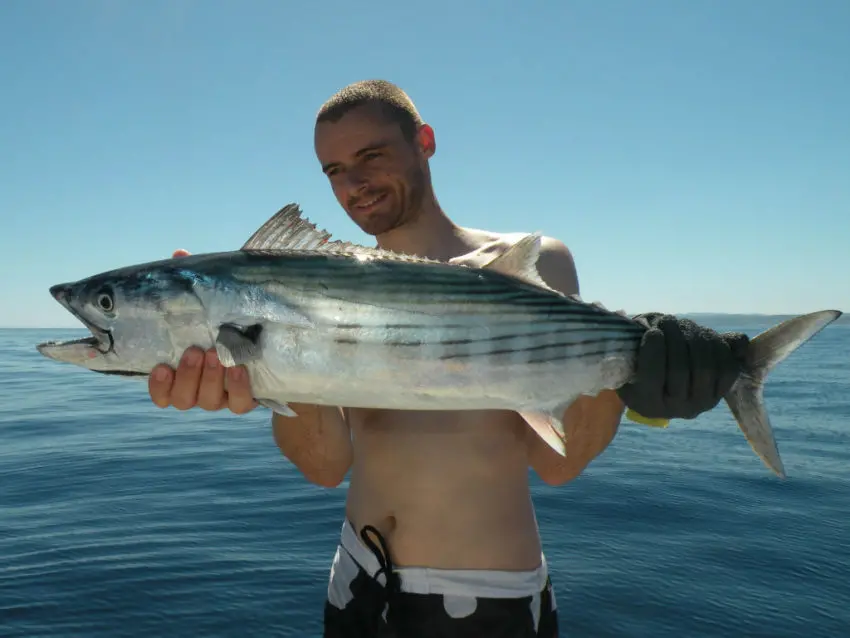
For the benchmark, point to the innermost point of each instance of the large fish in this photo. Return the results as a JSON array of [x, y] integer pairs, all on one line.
[[333, 323]]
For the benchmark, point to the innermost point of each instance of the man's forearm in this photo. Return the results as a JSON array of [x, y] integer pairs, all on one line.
[[590, 425], [317, 441]]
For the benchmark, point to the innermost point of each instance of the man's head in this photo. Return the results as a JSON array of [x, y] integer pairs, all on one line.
[[374, 147]]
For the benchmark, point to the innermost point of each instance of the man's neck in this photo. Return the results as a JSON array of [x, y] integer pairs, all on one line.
[[430, 234]]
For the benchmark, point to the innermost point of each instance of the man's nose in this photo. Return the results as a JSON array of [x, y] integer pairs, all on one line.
[[356, 179]]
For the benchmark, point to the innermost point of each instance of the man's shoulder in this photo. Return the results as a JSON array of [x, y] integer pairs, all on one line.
[[555, 262], [487, 242]]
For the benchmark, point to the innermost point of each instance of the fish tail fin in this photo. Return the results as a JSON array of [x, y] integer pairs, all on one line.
[[746, 398]]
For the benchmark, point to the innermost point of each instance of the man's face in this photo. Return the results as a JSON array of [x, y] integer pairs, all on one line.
[[377, 176]]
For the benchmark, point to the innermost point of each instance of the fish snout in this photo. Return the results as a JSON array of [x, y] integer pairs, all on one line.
[[60, 291]]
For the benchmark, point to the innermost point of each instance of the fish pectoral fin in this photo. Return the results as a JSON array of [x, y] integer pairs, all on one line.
[[237, 345], [520, 261], [549, 428], [277, 407]]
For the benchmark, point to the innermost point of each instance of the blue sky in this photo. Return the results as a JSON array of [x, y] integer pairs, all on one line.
[[695, 156]]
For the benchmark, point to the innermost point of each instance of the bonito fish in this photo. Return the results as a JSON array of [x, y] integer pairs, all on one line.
[[334, 323]]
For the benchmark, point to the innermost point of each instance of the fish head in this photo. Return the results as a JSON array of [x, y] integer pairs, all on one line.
[[137, 319]]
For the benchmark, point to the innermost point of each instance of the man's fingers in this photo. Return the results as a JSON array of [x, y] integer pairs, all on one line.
[[703, 380], [159, 385], [184, 392], [211, 395], [651, 367], [678, 373], [200, 380], [239, 396], [738, 343], [733, 363]]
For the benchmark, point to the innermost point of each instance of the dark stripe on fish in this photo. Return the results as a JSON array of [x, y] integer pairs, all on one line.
[[416, 283], [121, 373], [542, 358], [568, 322], [408, 286], [517, 335], [567, 348], [385, 273], [535, 353]]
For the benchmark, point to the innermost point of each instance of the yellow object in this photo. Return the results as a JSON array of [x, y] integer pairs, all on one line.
[[653, 423]]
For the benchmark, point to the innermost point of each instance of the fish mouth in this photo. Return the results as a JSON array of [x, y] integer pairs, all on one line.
[[100, 339]]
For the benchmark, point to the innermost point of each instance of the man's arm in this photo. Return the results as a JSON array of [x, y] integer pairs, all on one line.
[[317, 441], [590, 423]]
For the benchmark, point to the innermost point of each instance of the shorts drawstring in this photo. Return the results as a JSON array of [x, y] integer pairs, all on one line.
[[382, 553]]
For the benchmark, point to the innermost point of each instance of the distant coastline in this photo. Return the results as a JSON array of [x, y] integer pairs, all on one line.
[[845, 318]]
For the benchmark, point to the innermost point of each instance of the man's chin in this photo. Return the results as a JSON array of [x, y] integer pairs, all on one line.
[[376, 222]]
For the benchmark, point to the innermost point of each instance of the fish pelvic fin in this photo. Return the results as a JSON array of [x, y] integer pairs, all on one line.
[[277, 407], [746, 398], [259, 373], [549, 428]]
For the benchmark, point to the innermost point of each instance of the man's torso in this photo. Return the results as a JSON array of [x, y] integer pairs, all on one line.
[[447, 489]]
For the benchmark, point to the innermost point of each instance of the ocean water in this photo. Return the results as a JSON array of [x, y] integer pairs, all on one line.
[[120, 519]]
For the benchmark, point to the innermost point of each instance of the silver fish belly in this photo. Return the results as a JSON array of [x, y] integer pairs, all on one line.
[[441, 337]]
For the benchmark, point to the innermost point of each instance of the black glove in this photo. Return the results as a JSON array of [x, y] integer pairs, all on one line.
[[683, 369]]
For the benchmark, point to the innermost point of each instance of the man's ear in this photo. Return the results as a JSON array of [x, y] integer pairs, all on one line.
[[426, 141]]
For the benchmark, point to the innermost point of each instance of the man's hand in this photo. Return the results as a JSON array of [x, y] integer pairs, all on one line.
[[199, 381], [683, 369]]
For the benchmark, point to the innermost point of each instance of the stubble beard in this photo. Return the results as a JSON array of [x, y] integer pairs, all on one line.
[[409, 199]]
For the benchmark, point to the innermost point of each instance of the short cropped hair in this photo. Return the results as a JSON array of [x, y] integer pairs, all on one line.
[[395, 103]]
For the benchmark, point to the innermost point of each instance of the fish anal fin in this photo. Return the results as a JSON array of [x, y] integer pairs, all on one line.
[[237, 345], [549, 428]]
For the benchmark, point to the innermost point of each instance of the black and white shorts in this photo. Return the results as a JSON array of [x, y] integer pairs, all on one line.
[[367, 597]]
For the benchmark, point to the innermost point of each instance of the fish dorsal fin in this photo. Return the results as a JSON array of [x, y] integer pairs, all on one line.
[[288, 229], [520, 261]]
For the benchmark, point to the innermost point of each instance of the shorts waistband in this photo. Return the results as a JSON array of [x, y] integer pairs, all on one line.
[[483, 583]]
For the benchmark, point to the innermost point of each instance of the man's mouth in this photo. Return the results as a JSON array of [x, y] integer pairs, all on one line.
[[369, 203], [100, 339]]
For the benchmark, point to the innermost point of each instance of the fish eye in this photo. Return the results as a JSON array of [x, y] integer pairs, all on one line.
[[104, 300]]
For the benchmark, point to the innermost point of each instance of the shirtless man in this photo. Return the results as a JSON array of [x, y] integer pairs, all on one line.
[[440, 537]]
